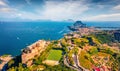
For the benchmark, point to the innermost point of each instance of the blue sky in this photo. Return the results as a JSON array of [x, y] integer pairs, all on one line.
[[59, 10]]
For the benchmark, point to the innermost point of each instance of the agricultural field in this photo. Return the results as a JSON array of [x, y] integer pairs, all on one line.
[[55, 55]]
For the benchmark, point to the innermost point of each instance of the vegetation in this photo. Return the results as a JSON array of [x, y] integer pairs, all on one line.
[[93, 51], [64, 42], [107, 50], [58, 68], [0, 61], [80, 42], [11, 62], [88, 58], [19, 68], [14, 62], [54, 55], [84, 60], [5, 55], [104, 37], [38, 60], [90, 50]]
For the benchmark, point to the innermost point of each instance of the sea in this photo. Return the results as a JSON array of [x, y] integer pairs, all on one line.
[[15, 36]]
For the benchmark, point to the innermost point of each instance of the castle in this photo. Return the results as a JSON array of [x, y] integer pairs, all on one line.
[[32, 51]]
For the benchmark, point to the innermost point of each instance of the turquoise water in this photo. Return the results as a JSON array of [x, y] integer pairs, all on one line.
[[15, 36]]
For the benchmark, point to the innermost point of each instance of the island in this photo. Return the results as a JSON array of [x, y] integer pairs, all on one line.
[[82, 49]]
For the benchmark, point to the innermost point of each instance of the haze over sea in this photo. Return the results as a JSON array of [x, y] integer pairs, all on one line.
[[15, 36]]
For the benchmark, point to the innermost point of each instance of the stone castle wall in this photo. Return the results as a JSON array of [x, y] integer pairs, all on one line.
[[33, 50]]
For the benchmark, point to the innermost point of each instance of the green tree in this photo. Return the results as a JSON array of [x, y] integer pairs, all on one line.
[[93, 51]]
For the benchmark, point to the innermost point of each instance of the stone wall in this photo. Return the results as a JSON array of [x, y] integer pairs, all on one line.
[[32, 51]]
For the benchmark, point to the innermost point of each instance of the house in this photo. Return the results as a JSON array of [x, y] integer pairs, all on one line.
[[102, 68]]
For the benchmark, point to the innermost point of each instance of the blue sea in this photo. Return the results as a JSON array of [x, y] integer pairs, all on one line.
[[15, 36]]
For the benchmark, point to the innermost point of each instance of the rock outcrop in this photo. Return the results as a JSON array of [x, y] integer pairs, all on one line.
[[3, 60], [32, 51], [77, 25]]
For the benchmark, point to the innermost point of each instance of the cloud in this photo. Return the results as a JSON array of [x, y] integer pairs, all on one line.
[[2, 3], [104, 17], [117, 7], [4, 6], [58, 10], [63, 10], [54, 10], [5, 10]]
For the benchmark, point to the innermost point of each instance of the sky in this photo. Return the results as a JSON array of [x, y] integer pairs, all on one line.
[[59, 10]]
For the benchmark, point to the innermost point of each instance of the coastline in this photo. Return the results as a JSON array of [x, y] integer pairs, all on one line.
[[38, 52]]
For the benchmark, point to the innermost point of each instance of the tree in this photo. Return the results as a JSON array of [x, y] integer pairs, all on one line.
[[93, 51]]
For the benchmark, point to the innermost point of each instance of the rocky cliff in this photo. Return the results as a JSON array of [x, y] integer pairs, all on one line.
[[3, 60], [32, 51]]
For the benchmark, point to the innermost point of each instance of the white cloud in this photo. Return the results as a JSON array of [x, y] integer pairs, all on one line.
[[64, 10], [57, 11], [104, 17], [5, 9], [4, 6], [117, 7], [53, 10], [2, 3]]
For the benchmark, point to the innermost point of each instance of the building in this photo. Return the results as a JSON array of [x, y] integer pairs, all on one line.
[[32, 51]]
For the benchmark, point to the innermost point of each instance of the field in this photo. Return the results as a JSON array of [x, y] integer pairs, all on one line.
[[55, 55]]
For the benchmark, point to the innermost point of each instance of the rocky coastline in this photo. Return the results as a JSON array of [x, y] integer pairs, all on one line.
[[82, 43]]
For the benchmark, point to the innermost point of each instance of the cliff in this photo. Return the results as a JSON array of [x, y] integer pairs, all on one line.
[[32, 51], [3, 60]]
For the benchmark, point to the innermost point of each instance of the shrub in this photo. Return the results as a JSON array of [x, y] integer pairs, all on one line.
[[85, 61], [93, 51]]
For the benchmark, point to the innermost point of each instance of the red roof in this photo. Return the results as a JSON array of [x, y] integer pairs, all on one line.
[[97, 69], [103, 68]]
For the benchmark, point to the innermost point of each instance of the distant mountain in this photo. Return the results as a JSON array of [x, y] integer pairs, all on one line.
[[77, 25]]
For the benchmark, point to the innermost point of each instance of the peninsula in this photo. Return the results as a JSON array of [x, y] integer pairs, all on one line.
[[82, 49]]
